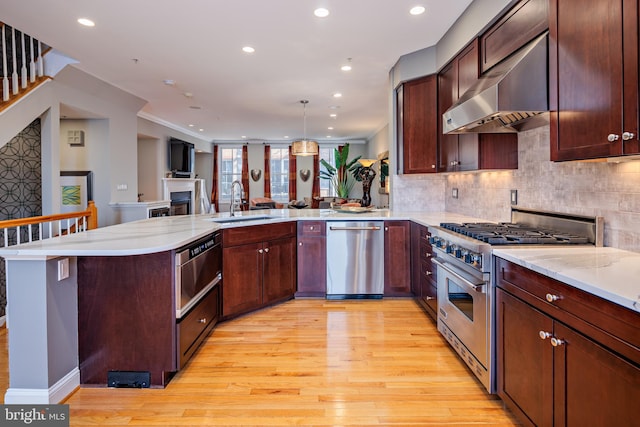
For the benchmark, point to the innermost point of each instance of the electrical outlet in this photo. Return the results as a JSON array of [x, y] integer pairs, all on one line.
[[122, 187], [454, 193], [514, 197], [63, 269]]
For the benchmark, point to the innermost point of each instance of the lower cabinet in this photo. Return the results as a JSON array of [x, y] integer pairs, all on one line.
[[193, 328], [573, 361], [397, 260], [258, 266], [312, 259], [423, 272]]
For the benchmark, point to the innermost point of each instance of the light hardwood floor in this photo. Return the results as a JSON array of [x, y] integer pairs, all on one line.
[[310, 363]]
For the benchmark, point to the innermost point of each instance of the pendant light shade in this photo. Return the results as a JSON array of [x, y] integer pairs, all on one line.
[[304, 147]]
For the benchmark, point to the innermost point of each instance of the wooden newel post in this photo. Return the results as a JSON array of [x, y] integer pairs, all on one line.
[[92, 219]]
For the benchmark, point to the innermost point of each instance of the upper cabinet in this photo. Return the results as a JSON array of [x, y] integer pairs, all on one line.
[[593, 73], [417, 125], [469, 151]]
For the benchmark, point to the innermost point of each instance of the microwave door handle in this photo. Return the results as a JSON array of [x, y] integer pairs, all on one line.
[[478, 287]]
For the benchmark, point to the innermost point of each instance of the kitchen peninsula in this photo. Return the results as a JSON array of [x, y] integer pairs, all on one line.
[[43, 311]]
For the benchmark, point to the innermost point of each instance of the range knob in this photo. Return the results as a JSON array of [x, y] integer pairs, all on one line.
[[458, 253], [450, 248]]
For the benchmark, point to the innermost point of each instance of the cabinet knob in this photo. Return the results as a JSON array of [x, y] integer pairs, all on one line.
[[627, 136], [556, 342], [454, 163], [266, 250], [552, 298], [311, 227], [430, 298], [612, 137], [544, 335], [433, 166], [299, 243], [386, 229], [260, 251], [203, 320], [428, 255], [428, 273]]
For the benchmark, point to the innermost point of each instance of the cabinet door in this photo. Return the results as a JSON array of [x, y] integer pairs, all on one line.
[[279, 274], [447, 95], [583, 371], [416, 231], [397, 261], [419, 126], [242, 279], [312, 266], [586, 77], [524, 360]]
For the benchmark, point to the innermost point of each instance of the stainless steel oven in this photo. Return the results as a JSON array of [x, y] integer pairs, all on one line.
[[464, 316], [198, 268]]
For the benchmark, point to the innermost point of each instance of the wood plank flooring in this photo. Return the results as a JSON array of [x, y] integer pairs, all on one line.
[[308, 363]]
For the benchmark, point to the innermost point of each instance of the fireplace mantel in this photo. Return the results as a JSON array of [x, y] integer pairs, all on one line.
[[199, 202]]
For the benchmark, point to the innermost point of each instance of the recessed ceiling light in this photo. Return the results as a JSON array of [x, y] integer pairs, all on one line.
[[334, 115], [244, 137], [190, 125], [286, 137], [201, 130], [346, 68], [330, 128], [321, 12], [417, 10], [86, 22], [169, 82], [329, 136], [248, 49], [188, 95], [337, 95]]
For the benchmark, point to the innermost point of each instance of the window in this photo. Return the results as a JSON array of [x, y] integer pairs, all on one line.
[[230, 170], [327, 153], [280, 174]]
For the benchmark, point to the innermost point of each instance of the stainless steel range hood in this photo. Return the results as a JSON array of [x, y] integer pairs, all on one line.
[[511, 97]]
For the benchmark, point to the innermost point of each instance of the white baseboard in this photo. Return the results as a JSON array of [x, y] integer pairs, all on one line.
[[36, 396]]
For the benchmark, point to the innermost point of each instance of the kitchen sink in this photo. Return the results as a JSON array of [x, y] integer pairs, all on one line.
[[236, 219]]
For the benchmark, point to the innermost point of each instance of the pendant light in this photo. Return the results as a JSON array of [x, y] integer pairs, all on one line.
[[304, 147]]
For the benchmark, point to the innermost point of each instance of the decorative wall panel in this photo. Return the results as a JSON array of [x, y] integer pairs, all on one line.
[[20, 187]]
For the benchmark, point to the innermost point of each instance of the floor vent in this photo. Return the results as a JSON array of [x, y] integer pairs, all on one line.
[[129, 379]]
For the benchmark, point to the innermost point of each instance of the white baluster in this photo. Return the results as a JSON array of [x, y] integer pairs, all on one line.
[[32, 64], [5, 72], [40, 59], [18, 234], [14, 75], [24, 65], [40, 231]]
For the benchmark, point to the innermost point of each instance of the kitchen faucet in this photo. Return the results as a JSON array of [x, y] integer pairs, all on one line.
[[235, 203]]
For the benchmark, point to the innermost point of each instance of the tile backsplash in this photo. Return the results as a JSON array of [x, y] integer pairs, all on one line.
[[610, 190]]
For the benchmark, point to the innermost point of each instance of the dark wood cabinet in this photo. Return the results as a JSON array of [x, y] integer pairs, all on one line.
[[258, 267], [466, 152], [397, 259], [522, 23], [312, 259], [423, 272], [573, 361], [593, 79], [417, 125]]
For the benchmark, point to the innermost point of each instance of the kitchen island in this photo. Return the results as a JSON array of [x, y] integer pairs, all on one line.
[[43, 312]]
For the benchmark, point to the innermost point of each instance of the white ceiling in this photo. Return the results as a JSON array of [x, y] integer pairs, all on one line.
[[137, 44]]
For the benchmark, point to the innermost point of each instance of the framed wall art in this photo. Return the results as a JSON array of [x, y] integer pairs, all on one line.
[[75, 190]]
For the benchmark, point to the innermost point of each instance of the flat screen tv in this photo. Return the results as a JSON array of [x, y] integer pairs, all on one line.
[[181, 158]]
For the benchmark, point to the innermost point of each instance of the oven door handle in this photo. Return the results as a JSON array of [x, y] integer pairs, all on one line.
[[478, 287]]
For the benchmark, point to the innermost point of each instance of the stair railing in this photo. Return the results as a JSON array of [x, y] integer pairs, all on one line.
[[22, 230], [17, 57]]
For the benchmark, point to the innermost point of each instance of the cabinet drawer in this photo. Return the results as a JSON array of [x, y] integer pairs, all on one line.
[[193, 328], [608, 323], [257, 233], [311, 228]]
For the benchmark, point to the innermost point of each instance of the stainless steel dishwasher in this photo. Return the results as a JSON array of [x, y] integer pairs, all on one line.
[[355, 259]]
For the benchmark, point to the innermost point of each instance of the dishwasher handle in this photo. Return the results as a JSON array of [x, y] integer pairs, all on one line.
[[372, 228]]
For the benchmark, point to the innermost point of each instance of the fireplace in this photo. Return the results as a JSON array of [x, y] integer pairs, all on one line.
[[180, 202]]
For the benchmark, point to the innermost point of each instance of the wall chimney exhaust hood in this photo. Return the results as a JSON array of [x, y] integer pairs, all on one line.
[[510, 97]]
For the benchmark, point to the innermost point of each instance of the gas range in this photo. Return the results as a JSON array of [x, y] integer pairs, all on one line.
[[465, 279]]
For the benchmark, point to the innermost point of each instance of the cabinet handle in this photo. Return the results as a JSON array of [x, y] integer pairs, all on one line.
[[556, 342], [428, 273], [627, 136], [433, 166], [203, 320], [430, 298], [544, 335], [552, 298], [428, 255], [300, 244], [454, 163], [612, 137], [260, 251], [266, 250]]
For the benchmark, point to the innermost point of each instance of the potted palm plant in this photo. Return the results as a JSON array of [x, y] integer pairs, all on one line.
[[340, 175]]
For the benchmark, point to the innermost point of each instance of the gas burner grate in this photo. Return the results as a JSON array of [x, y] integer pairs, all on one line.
[[513, 234]]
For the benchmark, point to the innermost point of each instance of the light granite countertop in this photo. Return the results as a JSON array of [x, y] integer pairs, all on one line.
[[610, 273], [171, 232]]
